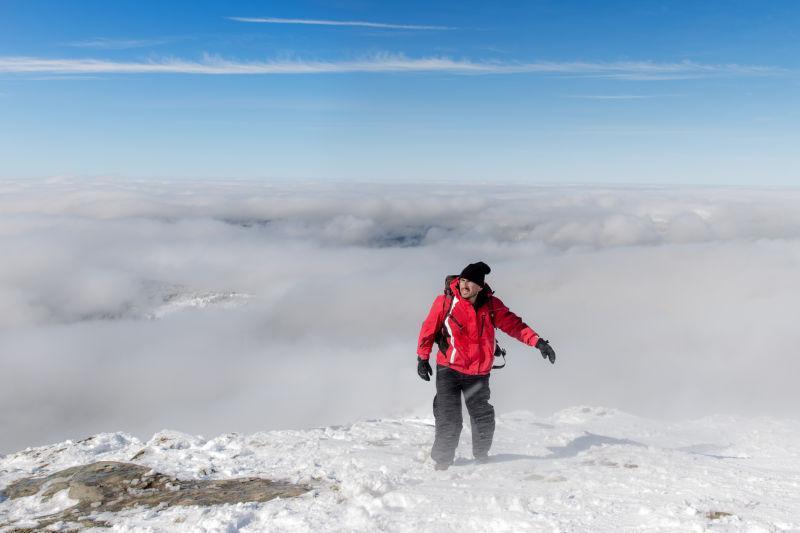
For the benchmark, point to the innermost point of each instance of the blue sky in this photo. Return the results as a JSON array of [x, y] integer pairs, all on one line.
[[644, 92]]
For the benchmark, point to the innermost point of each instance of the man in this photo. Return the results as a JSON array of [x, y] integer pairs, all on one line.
[[466, 320]]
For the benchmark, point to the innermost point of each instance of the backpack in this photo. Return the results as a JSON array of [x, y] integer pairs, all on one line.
[[442, 336]]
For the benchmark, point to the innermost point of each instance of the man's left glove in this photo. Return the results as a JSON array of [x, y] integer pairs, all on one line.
[[424, 369], [547, 352]]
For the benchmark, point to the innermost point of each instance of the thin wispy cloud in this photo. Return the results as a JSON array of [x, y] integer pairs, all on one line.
[[612, 96], [383, 63], [65, 77], [102, 43], [353, 23]]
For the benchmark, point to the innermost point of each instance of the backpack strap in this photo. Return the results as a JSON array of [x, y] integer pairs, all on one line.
[[498, 351], [442, 335]]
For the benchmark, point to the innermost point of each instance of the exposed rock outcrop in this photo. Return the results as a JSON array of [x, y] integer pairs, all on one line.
[[111, 486]]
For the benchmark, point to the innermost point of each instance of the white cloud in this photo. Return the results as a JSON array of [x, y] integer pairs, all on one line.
[[658, 301], [382, 63], [612, 96], [354, 23], [103, 43]]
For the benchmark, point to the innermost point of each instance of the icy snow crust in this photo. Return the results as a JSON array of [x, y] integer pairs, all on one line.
[[582, 469]]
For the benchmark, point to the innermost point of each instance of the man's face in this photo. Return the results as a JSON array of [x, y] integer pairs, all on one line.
[[468, 289]]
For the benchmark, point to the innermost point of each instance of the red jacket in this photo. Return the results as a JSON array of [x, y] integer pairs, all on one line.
[[471, 344]]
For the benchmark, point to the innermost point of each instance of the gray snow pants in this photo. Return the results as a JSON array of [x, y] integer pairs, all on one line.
[[447, 412]]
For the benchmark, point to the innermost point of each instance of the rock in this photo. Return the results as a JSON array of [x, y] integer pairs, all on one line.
[[112, 486]]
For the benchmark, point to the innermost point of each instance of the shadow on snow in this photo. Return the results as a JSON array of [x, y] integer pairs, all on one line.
[[571, 449]]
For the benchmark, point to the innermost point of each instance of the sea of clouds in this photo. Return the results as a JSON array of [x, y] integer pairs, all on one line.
[[210, 307]]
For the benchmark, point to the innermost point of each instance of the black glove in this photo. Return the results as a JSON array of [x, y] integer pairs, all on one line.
[[424, 369], [547, 352]]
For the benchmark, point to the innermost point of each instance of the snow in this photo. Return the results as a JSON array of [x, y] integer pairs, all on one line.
[[180, 299], [581, 469], [25, 509]]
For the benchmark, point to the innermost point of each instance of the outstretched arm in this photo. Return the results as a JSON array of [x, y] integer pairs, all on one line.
[[511, 324], [430, 327]]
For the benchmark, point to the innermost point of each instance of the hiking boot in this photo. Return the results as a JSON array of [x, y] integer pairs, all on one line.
[[441, 466], [482, 459]]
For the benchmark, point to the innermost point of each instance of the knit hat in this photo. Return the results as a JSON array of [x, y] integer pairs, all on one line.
[[475, 272]]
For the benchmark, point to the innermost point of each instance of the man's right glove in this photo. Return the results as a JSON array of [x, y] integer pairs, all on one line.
[[547, 352], [424, 369]]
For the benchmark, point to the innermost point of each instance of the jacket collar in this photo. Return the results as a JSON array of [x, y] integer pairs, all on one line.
[[482, 298]]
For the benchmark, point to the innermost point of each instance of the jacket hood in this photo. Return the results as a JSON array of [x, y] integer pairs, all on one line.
[[482, 298]]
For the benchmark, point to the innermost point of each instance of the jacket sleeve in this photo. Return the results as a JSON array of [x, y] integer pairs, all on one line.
[[511, 324], [430, 327]]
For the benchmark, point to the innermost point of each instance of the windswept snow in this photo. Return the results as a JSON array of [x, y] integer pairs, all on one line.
[[582, 469]]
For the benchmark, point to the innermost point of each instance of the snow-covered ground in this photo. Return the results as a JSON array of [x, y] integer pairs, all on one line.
[[582, 469]]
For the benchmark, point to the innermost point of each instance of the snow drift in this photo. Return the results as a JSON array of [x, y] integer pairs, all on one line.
[[581, 469]]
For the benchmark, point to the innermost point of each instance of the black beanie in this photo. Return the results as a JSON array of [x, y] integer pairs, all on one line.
[[475, 272]]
